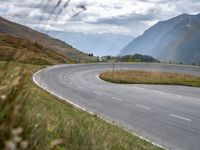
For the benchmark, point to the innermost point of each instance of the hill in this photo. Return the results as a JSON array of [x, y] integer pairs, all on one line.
[[176, 40], [20, 31], [13, 48]]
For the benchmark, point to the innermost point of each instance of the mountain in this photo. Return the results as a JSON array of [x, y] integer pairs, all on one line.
[[175, 40], [17, 30], [98, 44]]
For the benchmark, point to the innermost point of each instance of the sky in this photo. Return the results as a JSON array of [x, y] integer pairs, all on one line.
[[127, 17]]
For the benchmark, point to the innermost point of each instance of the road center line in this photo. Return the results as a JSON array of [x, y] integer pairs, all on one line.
[[98, 93], [116, 98], [141, 106], [179, 117], [159, 92]]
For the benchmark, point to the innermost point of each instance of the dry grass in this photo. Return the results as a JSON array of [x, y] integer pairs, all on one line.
[[30, 118], [147, 77], [13, 48]]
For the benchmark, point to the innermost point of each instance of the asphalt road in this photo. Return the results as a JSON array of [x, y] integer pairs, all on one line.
[[167, 115]]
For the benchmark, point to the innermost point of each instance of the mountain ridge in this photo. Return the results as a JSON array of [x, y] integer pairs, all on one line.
[[167, 39]]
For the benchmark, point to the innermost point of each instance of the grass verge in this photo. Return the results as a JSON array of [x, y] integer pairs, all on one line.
[[147, 77], [30, 118]]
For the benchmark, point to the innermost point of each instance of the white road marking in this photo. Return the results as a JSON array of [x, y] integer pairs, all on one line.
[[70, 83], [179, 117], [116, 98], [138, 88], [84, 108], [98, 93], [98, 77], [80, 87], [71, 87], [180, 96], [141, 106], [159, 92]]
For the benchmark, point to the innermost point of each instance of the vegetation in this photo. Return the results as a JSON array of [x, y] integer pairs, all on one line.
[[30, 118], [12, 32], [145, 77], [20, 50], [130, 58]]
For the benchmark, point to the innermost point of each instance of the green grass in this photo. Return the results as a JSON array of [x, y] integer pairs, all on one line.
[[29, 115], [148, 77]]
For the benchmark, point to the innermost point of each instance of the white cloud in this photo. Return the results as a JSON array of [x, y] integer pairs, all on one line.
[[116, 16]]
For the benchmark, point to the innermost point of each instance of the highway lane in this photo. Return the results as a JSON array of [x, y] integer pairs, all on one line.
[[167, 115]]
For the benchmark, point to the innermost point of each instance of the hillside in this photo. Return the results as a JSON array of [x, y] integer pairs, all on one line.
[[8, 27], [175, 40], [13, 48]]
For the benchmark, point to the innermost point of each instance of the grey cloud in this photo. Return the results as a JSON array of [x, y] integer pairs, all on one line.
[[36, 12], [127, 19]]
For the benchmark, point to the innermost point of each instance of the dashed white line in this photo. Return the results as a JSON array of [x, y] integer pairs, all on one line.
[[180, 96], [179, 117], [98, 93], [116, 98], [138, 88], [71, 87], [145, 107], [159, 92], [70, 83]]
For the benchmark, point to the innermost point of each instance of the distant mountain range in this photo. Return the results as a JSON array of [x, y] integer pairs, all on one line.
[[98, 44], [176, 40], [8, 28]]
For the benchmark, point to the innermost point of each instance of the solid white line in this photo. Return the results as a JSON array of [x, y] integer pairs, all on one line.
[[141, 106], [179, 117], [98, 93], [116, 98], [83, 108], [98, 77]]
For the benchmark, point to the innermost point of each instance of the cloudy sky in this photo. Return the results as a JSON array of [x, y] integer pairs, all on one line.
[[130, 17]]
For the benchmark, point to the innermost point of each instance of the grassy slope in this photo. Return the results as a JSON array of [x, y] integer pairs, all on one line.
[[9, 27], [18, 49], [44, 118], [145, 77]]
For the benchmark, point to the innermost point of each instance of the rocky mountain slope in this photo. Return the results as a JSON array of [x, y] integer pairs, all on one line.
[[176, 40]]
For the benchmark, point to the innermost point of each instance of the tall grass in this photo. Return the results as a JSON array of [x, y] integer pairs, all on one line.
[[30, 118]]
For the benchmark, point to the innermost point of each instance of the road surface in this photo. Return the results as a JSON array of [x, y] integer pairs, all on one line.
[[167, 115]]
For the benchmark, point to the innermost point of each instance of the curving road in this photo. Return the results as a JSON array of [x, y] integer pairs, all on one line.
[[167, 115]]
